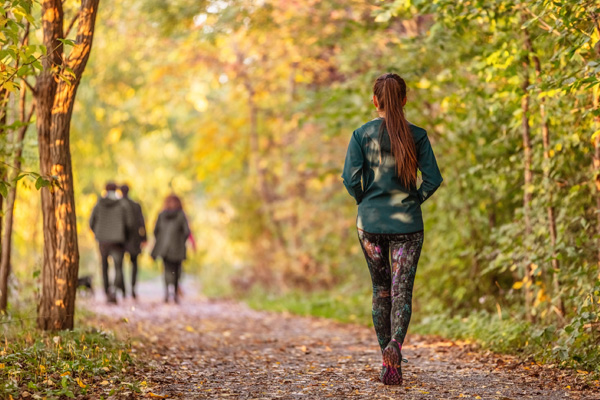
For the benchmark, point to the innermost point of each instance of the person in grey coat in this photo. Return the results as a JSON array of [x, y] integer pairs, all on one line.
[[171, 233], [134, 243], [111, 224]]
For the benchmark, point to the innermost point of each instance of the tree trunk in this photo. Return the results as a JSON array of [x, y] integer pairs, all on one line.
[[546, 170], [5, 259], [263, 189], [54, 101], [596, 104], [596, 162], [527, 184], [3, 174]]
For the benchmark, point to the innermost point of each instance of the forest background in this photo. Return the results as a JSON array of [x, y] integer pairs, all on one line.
[[245, 108]]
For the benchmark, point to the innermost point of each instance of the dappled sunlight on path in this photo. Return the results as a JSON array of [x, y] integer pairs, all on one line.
[[219, 349]]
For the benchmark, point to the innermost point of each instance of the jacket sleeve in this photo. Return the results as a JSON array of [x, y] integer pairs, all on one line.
[[93, 218], [141, 224], [157, 227], [128, 216], [186, 227], [432, 178], [353, 166]]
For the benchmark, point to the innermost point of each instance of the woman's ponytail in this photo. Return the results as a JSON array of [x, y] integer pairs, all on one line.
[[390, 90]]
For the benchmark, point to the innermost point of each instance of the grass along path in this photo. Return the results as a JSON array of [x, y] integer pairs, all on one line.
[[215, 349]]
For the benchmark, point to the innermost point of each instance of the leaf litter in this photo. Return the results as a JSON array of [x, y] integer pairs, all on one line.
[[203, 349]]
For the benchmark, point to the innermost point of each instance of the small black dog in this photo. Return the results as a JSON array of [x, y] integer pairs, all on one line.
[[85, 284]]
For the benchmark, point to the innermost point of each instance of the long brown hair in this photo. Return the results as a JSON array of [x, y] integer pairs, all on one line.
[[390, 90], [172, 202]]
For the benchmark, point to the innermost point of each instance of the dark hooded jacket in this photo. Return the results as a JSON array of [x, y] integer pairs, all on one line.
[[138, 235], [110, 221], [171, 232]]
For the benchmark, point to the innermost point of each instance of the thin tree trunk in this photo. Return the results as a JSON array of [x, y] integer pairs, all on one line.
[[3, 174], [5, 259], [596, 165], [54, 103], [546, 168], [527, 184], [596, 160], [259, 172]]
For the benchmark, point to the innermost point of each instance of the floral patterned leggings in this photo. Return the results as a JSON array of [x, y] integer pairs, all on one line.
[[392, 285]]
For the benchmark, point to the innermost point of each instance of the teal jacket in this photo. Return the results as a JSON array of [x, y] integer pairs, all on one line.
[[384, 205]]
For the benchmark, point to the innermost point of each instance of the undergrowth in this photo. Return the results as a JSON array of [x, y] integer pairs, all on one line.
[[66, 364], [345, 304]]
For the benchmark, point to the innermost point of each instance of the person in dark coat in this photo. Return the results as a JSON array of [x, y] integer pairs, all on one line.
[[111, 224], [137, 236], [171, 232]]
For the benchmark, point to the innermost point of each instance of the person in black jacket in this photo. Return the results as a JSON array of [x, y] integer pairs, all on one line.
[[137, 237], [171, 233], [111, 224]]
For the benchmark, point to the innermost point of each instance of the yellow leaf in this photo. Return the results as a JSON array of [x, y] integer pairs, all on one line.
[[478, 397], [81, 384], [66, 373], [517, 285], [2, 366], [534, 267], [189, 329], [158, 396], [114, 135], [104, 383]]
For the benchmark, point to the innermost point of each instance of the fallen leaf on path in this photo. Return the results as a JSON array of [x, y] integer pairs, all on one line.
[[156, 396]]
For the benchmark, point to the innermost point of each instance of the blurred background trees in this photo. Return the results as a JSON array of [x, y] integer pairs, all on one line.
[[245, 109]]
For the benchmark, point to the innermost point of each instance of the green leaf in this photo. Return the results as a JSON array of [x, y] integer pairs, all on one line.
[[39, 182], [3, 189], [67, 42], [23, 70], [20, 176]]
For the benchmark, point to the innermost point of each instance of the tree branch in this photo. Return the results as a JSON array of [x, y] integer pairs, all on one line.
[[25, 38], [72, 23], [29, 86], [544, 24], [85, 34]]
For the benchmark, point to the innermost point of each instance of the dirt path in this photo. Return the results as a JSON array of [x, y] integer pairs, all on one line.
[[216, 350]]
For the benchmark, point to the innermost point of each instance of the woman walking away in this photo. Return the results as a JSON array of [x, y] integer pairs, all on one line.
[[380, 172], [171, 232]]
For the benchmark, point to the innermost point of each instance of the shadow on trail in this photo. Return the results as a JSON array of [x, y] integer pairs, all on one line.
[[220, 349]]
